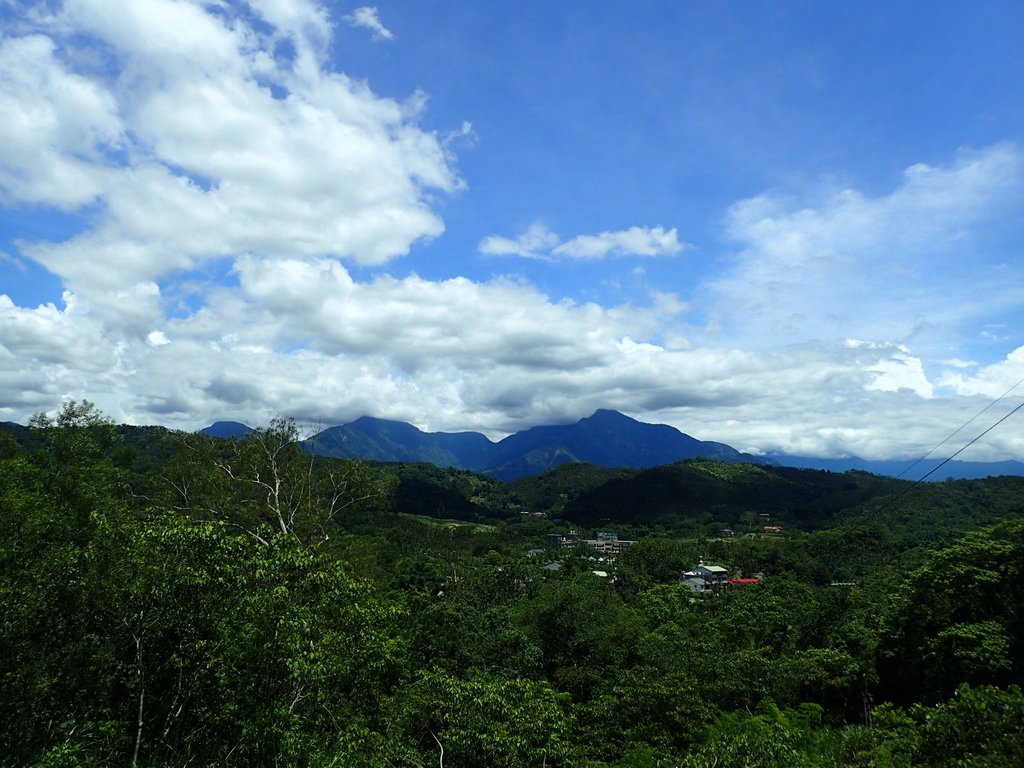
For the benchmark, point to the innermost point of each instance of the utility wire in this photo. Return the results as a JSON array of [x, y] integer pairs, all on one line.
[[957, 431], [972, 442], [894, 499]]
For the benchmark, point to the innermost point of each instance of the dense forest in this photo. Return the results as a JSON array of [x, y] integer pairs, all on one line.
[[171, 599]]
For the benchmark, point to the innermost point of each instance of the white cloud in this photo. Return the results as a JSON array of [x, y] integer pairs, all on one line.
[[56, 129], [304, 338], [193, 139], [635, 241], [157, 338], [538, 242], [900, 371], [418, 324], [50, 336], [535, 243], [366, 17], [901, 266], [304, 19], [992, 381]]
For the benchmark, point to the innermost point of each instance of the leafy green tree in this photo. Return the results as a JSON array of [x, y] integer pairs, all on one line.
[[284, 646], [195, 643], [134, 634], [740, 740], [67, 517], [474, 623], [958, 618], [584, 631], [981, 727], [487, 721], [267, 484]]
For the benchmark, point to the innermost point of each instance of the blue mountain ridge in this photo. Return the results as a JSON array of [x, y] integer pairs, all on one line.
[[225, 429], [606, 439], [932, 470]]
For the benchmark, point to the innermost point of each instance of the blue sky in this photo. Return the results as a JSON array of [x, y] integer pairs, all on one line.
[[786, 226]]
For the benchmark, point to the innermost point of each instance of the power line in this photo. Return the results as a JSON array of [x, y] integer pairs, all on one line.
[[893, 499], [972, 442], [957, 431]]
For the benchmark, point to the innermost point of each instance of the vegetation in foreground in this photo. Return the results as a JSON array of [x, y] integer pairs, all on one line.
[[170, 600]]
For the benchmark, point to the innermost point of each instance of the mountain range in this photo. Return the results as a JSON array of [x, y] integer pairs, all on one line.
[[605, 439]]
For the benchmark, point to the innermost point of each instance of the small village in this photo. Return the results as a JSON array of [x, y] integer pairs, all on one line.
[[704, 579]]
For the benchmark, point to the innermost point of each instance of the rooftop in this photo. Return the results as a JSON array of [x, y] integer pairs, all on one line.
[[713, 568]]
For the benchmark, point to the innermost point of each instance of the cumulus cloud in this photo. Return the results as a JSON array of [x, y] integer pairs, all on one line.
[[305, 338], [910, 264], [534, 243], [57, 126], [415, 322], [51, 336], [366, 17], [195, 138], [538, 242], [900, 371], [995, 380]]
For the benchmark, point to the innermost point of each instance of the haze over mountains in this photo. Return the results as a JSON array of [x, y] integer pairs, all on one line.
[[606, 439]]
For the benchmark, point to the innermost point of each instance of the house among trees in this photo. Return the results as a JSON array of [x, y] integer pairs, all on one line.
[[711, 579], [705, 579]]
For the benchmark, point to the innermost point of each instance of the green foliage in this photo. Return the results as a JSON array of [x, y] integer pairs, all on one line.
[[653, 561], [583, 629], [170, 599], [689, 495], [267, 483], [484, 720], [764, 740], [978, 727], [550, 492], [958, 617], [443, 492]]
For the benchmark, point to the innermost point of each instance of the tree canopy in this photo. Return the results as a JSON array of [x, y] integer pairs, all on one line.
[[172, 599]]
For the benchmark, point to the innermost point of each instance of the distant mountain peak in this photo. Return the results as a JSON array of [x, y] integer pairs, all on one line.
[[365, 420], [609, 415], [225, 429]]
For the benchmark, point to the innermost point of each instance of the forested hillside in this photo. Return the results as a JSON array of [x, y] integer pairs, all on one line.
[[172, 599]]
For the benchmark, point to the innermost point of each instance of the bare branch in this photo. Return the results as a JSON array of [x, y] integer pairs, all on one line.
[[441, 759]]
